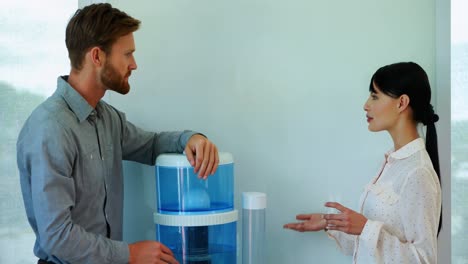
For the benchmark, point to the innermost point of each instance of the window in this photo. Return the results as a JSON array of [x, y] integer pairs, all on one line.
[[459, 131], [33, 54]]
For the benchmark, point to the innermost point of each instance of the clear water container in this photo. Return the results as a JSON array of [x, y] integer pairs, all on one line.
[[196, 218], [253, 228]]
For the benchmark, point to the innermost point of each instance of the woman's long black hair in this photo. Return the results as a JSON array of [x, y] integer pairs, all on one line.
[[409, 78]]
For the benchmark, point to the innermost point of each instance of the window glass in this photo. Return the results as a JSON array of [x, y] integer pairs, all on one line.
[[33, 55], [459, 130]]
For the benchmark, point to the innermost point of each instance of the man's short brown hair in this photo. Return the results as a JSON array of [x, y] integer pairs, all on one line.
[[96, 25]]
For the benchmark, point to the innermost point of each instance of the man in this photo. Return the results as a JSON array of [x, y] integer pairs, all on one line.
[[71, 148]]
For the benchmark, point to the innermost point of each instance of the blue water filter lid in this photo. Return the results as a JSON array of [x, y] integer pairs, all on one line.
[[180, 160]]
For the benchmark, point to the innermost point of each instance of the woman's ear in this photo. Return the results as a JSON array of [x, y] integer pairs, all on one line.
[[403, 102]]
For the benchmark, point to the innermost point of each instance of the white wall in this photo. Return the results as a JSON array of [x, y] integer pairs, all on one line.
[[442, 88], [280, 85]]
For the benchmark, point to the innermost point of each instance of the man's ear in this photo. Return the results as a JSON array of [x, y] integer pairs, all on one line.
[[97, 56], [403, 102]]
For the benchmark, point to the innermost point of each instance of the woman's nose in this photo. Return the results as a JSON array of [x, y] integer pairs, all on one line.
[[366, 105]]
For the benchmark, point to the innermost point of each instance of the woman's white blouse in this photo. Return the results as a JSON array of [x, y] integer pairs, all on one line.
[[402, 205]]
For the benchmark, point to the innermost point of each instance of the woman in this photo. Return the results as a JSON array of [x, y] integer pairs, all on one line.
[[400, 209]]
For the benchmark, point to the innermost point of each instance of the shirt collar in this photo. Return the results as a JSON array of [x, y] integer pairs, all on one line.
[[75, 101], [406, 151]]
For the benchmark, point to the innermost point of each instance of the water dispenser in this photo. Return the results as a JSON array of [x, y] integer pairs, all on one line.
[[196, 218]]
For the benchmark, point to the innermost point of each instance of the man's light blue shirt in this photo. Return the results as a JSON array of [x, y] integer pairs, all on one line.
[[69, 156]]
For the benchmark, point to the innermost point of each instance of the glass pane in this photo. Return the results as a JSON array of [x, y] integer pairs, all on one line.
[[459, 131], [33, 54]]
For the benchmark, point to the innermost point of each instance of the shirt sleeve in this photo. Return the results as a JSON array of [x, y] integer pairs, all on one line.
[[419, 211], [49, 161], [345, 242], [144, 147]]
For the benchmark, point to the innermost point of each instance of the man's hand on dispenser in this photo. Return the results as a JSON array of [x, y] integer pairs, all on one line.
[[310, 222], [202, 155], [150, 252]]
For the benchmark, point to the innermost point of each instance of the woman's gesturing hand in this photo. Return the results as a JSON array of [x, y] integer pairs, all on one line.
[[348, 221]]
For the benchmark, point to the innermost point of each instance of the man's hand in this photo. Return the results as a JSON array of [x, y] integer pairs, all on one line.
[[150, 252], [310, 222], [203, 155], [348, 221]]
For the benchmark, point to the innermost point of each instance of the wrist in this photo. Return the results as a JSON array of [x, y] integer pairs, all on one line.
[[325, 227]]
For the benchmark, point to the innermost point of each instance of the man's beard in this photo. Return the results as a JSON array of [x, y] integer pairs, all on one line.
[[113, 81]]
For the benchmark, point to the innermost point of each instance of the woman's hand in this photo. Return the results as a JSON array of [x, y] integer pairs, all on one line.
[[310, 222], [348, 221]]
